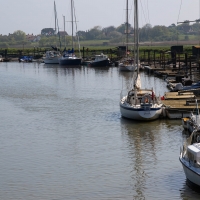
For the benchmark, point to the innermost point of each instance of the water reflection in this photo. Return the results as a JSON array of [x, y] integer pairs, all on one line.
[[100, 70], [141, 144], [190, 191], [153, 150]]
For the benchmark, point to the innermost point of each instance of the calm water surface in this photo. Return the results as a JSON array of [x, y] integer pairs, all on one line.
[[62, 137]]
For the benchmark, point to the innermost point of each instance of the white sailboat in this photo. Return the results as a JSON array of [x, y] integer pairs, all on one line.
[[127, 64], [52, 56], [140, 104], [190, 157]]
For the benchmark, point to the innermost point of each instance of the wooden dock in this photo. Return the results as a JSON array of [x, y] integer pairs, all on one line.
[[178, 96], [178, 105]]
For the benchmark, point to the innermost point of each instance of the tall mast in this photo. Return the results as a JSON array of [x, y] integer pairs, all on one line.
[[72, 22], [55, 15], [137, 35], [126, 27], [136, 40], [64, 29]]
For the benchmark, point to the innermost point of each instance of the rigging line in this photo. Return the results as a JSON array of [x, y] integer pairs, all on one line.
[[179, 11], [148, 11], [76, 30], [58, 30], [145, 19], [143, 12], [178, 20], [130, 13]]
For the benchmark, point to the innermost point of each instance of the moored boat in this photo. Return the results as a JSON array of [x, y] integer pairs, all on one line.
[[140, 104], [127, 66], [100, 60], [190, 158], [69, 58], [52, 57]]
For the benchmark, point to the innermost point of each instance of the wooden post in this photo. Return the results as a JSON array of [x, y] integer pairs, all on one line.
[[164, 59], [186, 59], [199, 67], [174, 60], [190, 68], [83, 52], [149, 57], [160, 58]]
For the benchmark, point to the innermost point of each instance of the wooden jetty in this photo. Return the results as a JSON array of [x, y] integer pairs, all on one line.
[[178, 105]]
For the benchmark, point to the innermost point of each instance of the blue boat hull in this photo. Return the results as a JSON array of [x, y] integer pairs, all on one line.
[[100, 63], [70, 61]]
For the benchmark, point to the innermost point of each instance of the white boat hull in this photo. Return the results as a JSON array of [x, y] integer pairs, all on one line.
[[140, 113], [191, 173], [51, 60], [126, 68]]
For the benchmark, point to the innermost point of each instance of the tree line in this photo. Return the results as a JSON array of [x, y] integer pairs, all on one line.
[[147, 33]]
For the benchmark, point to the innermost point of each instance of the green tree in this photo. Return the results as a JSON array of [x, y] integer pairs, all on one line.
[[19, 35], [122, 28]]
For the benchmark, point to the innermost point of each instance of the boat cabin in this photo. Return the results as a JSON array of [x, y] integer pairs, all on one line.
[[100, 57], [52, 54], [193, 152]]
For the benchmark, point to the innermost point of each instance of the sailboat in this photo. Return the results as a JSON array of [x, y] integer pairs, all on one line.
[[190, 157], [68, 57], [139, 104], [52, 56], [127, 63]]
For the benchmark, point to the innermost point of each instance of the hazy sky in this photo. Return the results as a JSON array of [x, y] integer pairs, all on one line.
[[31, 16]]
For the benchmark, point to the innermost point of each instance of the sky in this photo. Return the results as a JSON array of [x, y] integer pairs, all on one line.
[[31, 16]]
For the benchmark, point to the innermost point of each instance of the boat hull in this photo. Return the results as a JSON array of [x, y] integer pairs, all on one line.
[[191, 173], [51, 61], [76, 61], [144, 114], [126, 68], [100, 63]]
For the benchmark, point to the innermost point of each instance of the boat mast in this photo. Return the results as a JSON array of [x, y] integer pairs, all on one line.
[[64, 29], [72, 22], [126, 28], [137, 35], [55, 16], [56, 24], [136, 39]]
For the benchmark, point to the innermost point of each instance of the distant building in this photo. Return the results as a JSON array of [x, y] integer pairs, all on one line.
[[62, 33], [37, 38], [48, 32], [33, 38]]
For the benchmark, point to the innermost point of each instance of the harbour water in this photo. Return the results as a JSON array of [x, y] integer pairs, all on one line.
[[62, 137]]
